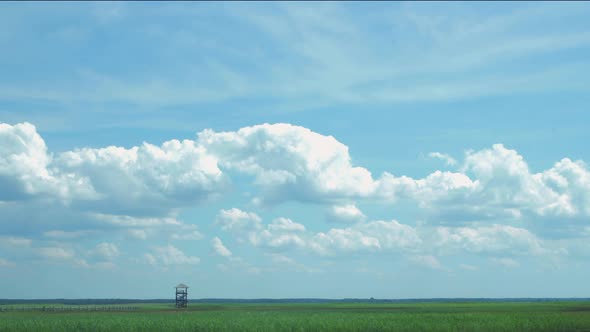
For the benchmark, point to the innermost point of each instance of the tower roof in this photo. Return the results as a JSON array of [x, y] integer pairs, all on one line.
[[181, 286]]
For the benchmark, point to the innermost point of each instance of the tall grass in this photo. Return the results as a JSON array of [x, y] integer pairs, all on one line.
[[569, 316]]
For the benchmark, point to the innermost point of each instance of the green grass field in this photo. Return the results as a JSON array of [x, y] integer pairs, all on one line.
[[535, 316]]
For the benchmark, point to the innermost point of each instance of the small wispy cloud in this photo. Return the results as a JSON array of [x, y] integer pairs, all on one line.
[[6, 263], [468, 267], [506, 262], [428, 261], [169, 255], [348, 213], [450, 161], [219, 248]]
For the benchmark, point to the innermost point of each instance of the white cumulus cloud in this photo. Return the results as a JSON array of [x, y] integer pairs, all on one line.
[[285, 225], [290, 162], [26, 168], [285, 234], [146, 177], [373, 236], [236, 220]]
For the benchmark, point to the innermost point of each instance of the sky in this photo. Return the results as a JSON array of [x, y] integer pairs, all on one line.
[[294, 150]]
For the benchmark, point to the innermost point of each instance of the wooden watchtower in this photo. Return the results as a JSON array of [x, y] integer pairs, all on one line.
[[181, 296]]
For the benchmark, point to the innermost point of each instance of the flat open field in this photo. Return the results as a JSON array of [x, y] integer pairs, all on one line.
[[470, 316]]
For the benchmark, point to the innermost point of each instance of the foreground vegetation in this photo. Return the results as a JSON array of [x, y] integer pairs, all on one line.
[[537, 316]]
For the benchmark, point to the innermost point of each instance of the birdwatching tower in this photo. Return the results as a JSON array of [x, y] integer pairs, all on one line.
[[181, 296]]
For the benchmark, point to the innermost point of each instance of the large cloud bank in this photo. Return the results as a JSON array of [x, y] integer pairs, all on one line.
[[139, 190], [287, 163]]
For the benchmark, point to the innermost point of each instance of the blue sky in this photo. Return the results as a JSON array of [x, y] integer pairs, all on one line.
[[387, 150]]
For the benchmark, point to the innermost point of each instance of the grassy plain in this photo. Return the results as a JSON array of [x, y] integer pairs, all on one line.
[[469, 316]]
